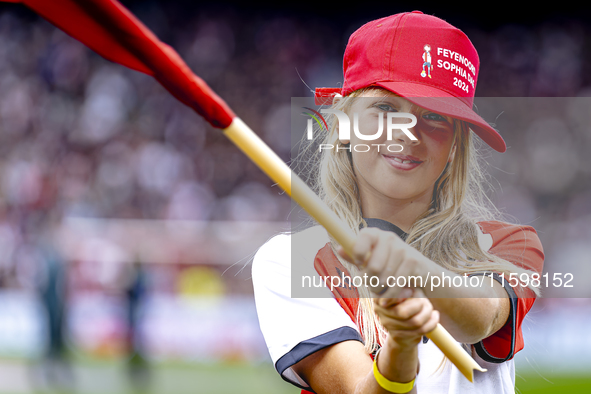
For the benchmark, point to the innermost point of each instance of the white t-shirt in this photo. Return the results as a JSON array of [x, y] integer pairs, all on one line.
[[294, 328]]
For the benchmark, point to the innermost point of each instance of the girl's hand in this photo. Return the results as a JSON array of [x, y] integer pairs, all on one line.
[[389, 262], [407, 319]]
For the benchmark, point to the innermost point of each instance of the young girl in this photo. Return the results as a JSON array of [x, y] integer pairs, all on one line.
[[416, 202]]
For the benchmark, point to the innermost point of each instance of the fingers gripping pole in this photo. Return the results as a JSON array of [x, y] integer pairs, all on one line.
[[243, 137]]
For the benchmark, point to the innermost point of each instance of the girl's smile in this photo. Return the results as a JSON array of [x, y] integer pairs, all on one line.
[[402, 162]]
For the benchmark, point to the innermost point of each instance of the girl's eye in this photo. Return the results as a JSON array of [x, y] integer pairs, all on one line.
[[385, 107], [435, 117]]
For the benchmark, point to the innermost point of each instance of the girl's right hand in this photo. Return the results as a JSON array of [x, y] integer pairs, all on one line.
[[407, 318]]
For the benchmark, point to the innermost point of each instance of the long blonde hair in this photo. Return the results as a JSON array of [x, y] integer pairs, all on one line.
[[446, 233]]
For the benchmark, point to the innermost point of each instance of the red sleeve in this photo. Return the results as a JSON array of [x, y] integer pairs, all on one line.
[[347, 295], [521, 246]]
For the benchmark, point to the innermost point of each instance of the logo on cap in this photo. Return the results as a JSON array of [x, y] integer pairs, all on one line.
[[427, 61]]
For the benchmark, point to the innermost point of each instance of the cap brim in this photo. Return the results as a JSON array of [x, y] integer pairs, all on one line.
[[439, 101]]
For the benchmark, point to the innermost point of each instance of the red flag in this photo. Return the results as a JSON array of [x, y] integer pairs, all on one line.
[[113, 32]]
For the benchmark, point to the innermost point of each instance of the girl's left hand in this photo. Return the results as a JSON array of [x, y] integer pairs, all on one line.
[[389, 263], [406, 319]]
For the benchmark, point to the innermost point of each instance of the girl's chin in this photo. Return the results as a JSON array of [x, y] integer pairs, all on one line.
[[406, 194]]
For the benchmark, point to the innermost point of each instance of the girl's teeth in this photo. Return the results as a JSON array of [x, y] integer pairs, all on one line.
[[402, 161], [406, 161]]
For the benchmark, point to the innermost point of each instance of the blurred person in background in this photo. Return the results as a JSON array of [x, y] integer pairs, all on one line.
[[57, 371], [137, 367]]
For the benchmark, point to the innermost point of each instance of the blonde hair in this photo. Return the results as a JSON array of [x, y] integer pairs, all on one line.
[[446, 233]]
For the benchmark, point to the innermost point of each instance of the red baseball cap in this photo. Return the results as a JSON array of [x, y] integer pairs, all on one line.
[[421, 58]]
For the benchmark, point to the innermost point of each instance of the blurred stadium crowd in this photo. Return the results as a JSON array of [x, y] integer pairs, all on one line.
[[81, 137]]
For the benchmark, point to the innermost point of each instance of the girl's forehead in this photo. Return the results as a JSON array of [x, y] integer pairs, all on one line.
[[371, 95], [378, 92]]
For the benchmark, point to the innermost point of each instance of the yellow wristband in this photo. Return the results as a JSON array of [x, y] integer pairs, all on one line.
[[388, 385]]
